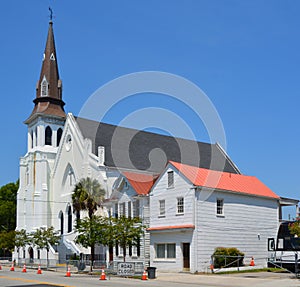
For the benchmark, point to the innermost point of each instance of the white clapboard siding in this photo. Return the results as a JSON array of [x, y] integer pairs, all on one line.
[[247, 224], [170, 195]]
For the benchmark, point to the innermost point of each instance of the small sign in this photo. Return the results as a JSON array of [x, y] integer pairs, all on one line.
[[125, 269]]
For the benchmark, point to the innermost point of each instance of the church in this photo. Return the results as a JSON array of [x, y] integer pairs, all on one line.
[[62, 149]]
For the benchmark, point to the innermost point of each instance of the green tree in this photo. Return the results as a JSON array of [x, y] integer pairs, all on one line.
[[90, 232], [8, 203], [21, 239], [124, 231], [87, 196], [7, 243], [295, 227], [43, 237]]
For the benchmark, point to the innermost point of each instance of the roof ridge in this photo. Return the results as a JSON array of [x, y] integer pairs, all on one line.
[[143, 131]]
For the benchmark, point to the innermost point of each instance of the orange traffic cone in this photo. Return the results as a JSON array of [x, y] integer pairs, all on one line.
[[252, 262], [68, 274], [103, 276], [24, 269], [144, 276], [12, 268], [39, 270]]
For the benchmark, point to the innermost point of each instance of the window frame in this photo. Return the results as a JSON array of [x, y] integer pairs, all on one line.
[[122, 208], [165, 249], [180, 205], [162, 207], [220, 207], [129, 209], [170, 178], [136, 208]]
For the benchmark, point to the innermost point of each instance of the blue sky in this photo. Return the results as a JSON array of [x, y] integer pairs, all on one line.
[[244, 54]]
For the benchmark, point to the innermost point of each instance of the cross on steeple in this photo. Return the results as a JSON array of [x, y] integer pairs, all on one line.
[[51, 14], [48, 99]]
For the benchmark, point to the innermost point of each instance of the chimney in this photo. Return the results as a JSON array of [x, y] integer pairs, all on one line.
[[101, 155]]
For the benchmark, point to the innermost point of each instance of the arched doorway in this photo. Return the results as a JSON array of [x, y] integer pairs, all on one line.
[[30, 251]]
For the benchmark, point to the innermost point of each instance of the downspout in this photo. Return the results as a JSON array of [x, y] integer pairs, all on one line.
[[195, 230]]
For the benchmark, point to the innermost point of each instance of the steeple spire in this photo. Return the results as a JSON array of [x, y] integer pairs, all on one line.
[[48, 99]]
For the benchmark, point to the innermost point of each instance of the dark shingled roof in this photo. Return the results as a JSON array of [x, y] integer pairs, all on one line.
[[139, 150]]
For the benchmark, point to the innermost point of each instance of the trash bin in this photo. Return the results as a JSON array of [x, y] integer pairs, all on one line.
[[151, 272]]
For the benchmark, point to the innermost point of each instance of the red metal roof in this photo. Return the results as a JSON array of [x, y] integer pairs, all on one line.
[[141, 183], [224, 180]]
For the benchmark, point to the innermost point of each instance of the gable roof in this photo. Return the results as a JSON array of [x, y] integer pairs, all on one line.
[[150, 151], [141, 183], [224, 181]]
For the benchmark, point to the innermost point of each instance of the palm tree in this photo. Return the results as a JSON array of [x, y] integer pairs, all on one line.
[[88, 195]]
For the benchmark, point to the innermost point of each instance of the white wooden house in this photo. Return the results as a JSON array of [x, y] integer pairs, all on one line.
[[195, 210], [130, 198]]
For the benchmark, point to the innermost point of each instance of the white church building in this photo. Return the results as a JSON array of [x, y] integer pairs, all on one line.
[[63, 148]]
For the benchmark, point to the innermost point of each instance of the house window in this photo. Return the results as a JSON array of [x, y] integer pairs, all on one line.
[[162, 207], [129, 209], [122, 209], [170, 179], [220, 206], [136, 208], [116, 211], [180, 205], [165, 250], [126, 184]]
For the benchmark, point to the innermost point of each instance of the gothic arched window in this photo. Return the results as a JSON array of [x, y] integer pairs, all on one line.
[[59, 134], [48, 136], [35, 135], [31, 139], [69, 212], [61, 217]]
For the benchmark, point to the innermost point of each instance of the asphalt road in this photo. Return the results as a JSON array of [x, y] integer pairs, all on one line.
[[48, 279]]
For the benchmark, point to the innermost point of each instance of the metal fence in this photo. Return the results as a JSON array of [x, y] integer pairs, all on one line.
[[226, 261], [111, 268]]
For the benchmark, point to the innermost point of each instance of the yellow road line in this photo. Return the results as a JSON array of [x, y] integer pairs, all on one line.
[[33, 281]]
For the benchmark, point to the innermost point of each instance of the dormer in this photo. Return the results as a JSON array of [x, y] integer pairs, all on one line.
[[44, 87]]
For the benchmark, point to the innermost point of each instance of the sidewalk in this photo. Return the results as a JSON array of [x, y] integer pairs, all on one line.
[[264, 279]]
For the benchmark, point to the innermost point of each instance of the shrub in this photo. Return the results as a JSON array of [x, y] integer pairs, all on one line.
[[228, 257]]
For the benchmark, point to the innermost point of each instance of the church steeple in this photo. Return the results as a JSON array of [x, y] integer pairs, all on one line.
[[48, 99]]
